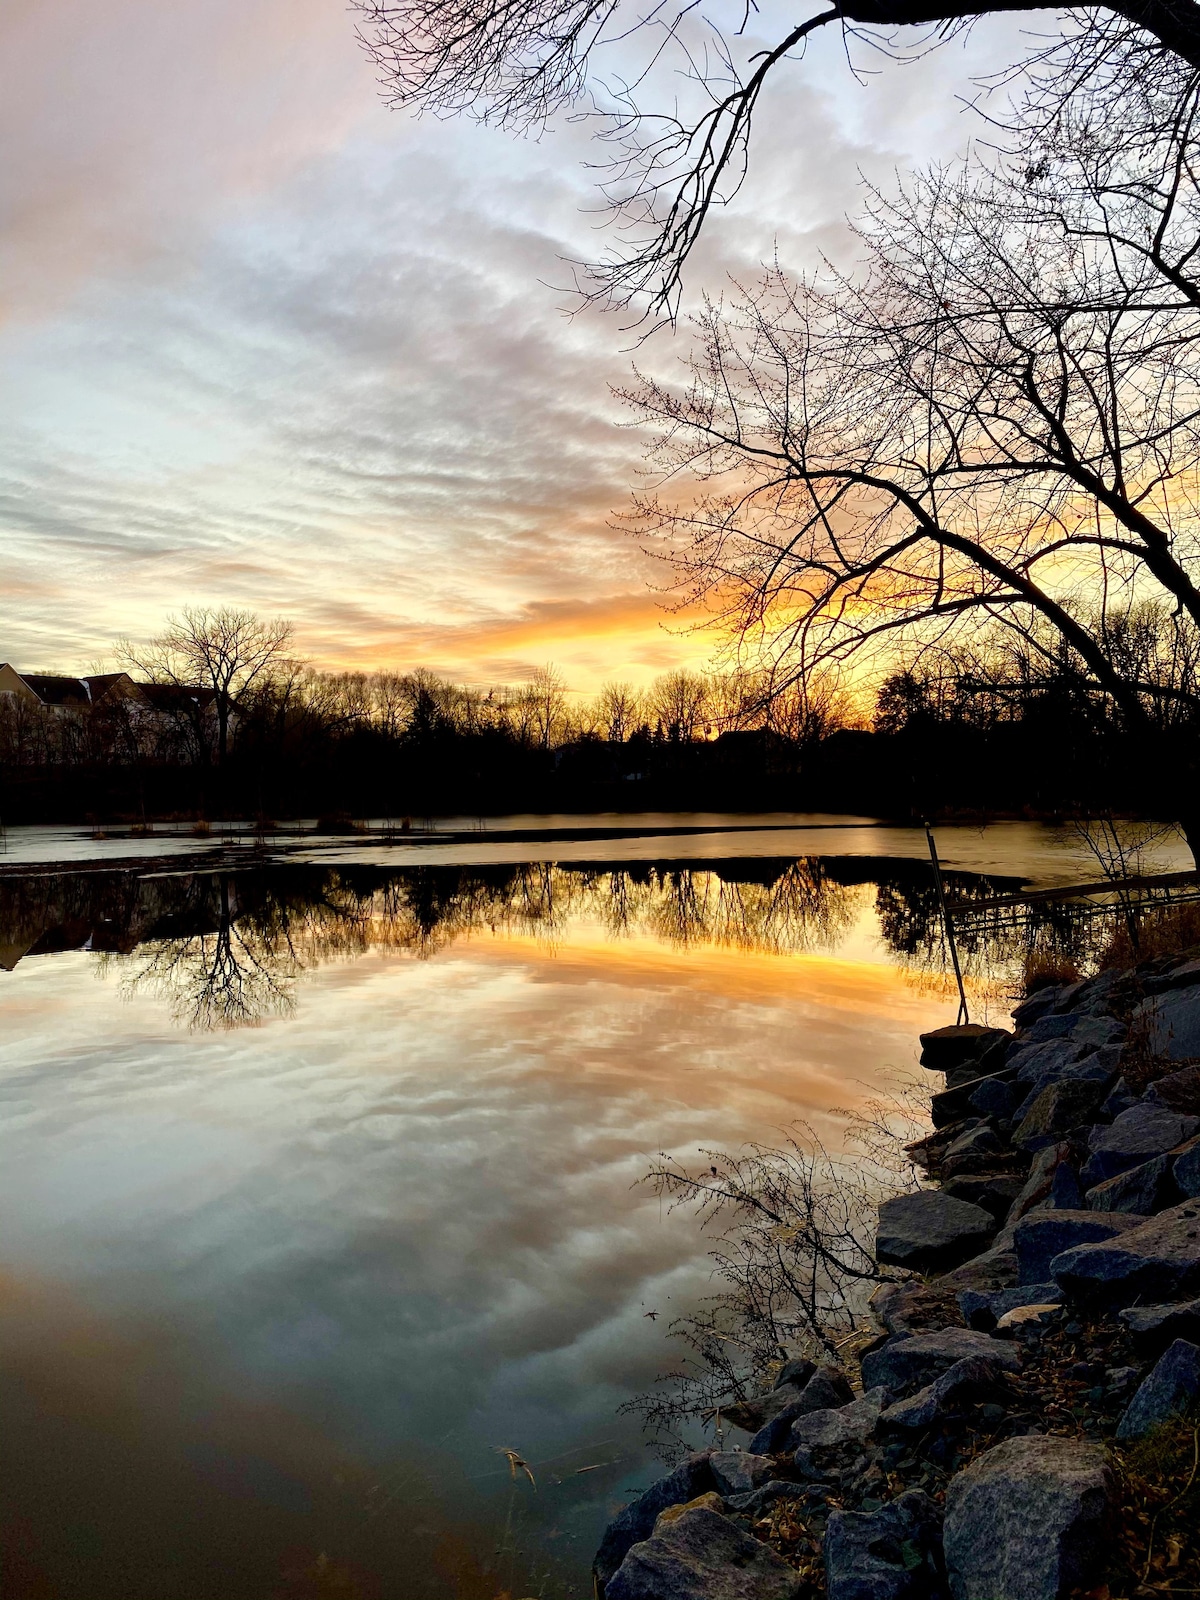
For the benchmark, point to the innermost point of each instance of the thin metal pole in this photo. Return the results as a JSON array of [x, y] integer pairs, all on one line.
[[963, 1014]]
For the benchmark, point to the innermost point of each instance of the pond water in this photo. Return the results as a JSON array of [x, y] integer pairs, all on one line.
[[320, 1177]]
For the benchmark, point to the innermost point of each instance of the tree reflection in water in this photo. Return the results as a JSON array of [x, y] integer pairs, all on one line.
[[227, 950]]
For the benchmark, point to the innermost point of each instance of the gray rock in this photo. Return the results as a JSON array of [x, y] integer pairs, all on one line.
[[753, 1415], [1120, 1098], [1137, 1135], [905, 1365], [930, 1231], [1172, 1389], [1099, 1066], [1172, 1023], [1186, 1171], [1143, 1190], [1037, 1004], [983, 1310], [1057, 1109], [827, 1388], [982, 1140], [959, 1100], [1178, 1091], [913, 1306], [1028, 1520], [890, 1554], [945, 1048], [994, 1191], [993, 1097], [698, 1554], [1042, 1235], [754, 1505], [852, 1424], [967, 1382], [798, 1370], [1065, 1193], [1038, 1185], [1034, 1060], [1157, 1260], [1027, 1317], [1153, 1328], [736, 1472], [691, 1477]]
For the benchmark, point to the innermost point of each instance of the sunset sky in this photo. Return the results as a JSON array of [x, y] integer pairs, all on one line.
[[265, 342]]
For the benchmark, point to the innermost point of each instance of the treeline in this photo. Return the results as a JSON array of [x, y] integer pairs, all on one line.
[[1010, 724]]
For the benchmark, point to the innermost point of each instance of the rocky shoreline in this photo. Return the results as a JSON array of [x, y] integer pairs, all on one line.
[[1023, 1419]]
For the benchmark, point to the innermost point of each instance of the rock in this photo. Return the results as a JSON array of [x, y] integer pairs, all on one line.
[[1171, 1389], [967, 1382], [993, 1097], [1142, 1190], [826, 1388], [983, 1311], [945, 1048], [994, 1269], [914, 1307], [1153, 1328], [1028, 1520], [1035, 1316], [1186, 1171], [1036, 1004], [754, 1505], [798, 1371], [1040, 1182], [754, 1415], [994, 1191], [1057, 1109], [1065, 1193], [1156, 1260], [1178, 1091], [1138, 1134], [1120, 1098], [692, 1477], [905, 1365], [953, 1104], [930, 1231], [890, 1554], [852, 1424], [1172, 1023], [1040, 1236], [698, 1554], [973, 1151], [736, 1472]]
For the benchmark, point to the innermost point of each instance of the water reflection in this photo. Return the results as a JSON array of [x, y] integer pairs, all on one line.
[[225, 950]]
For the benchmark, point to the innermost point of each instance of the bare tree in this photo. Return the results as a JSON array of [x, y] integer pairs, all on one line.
[[222, 650], [679, 702], [680, 138], [998, 418]]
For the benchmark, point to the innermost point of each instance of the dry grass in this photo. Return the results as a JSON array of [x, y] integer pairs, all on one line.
[[1174, 931], [1044, 967], [1160, 1506]]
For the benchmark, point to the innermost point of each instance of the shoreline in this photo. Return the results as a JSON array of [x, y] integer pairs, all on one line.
[[1020, 1418]]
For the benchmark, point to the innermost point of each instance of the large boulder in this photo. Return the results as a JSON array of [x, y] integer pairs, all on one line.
[[738, 1472], [943, 1049], [1042, 1235], [1057, 1109], [930, 1231], [1171, 1023], [1178, 1091], [912, 1306], [696, 1553], [754, 1415], [1153, 1328], [852, 1424], [983, 1310], [1040, 1181], [1028, 1520], [891, 1554], [966, 1383], [1172, 1389], [1137, 1135], [951, 1105], [1186, 1170], [905, 1365], [994, 1191], [826, 1388], [1157, 1260], [692, 1477], [1142, 1191]]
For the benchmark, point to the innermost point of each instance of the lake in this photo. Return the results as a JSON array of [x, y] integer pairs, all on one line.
[[320, 1169]]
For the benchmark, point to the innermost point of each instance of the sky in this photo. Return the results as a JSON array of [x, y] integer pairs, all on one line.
[[265, 342]]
